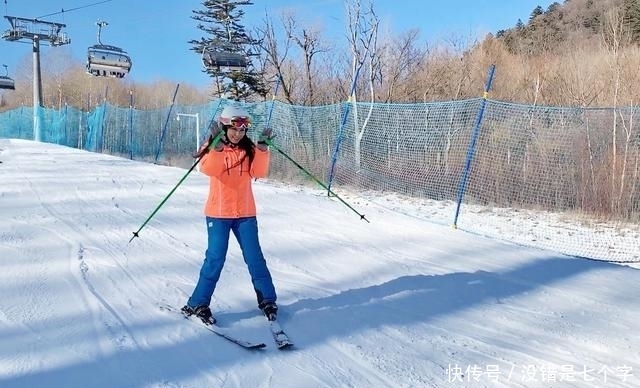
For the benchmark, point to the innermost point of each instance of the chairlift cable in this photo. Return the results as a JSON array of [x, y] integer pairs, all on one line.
[[72, 9]]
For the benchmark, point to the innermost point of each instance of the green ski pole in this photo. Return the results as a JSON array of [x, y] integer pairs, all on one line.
[[271, 144], [213, 143]]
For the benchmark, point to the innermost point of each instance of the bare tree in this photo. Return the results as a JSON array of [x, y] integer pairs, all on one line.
[[363, 38], [275, 55], [615, 36], [298, 81], [400, 59], [309, 41]]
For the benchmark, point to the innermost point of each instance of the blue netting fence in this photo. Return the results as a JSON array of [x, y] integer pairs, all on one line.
[[564, 170]]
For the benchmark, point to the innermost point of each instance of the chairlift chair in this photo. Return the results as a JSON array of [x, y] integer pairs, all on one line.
[[224, 60], [107, 61], [6, 82]]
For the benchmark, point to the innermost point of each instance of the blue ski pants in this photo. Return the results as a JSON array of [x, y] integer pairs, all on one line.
[[246, 232]]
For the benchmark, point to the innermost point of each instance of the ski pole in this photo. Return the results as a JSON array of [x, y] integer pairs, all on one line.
[[275, 93], [213, 143], [271, 144]]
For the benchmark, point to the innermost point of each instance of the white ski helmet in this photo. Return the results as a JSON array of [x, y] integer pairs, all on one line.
[[231, 112]]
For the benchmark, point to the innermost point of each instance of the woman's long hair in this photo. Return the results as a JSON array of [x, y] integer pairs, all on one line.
[[245, 144]]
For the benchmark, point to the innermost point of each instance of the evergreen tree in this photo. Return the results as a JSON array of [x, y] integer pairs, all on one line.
[[554, 7], [220, 20], [632, 18], [537, 11]]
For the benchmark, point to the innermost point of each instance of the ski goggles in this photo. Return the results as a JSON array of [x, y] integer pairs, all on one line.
[[240, 122]]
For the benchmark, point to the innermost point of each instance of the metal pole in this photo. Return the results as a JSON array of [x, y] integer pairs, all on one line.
[[131, 124], [37, 89], [336, 150], [164, 130], [197, 117], [472, 145], [197, 132], [197, 138]]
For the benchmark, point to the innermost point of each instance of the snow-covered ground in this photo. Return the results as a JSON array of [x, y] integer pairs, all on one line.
[[401, 301]]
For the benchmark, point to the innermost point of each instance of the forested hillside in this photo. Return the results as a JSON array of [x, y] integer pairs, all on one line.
[[579, 53]]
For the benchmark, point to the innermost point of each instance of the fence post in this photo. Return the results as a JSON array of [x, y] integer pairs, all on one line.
[[472, 145], [164, 130], [336, 150], [102, 120], [273, 101], [131, 124]]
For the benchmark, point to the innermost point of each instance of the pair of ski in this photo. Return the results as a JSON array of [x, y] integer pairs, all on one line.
[[280, 338]]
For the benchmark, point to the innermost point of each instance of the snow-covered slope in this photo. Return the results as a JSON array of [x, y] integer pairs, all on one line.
[[398, 302]]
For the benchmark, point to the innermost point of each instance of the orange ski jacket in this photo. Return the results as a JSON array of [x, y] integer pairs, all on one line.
[[230, 192]]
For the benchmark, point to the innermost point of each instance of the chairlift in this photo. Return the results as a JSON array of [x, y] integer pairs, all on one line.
[[224, 60], [6, 82], [104, 60]]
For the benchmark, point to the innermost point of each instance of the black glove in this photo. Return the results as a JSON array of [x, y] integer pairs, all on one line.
[[215, 131], [266, 136], [204, 148]]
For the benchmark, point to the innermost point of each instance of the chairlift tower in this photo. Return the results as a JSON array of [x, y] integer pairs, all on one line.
[[35, 30]]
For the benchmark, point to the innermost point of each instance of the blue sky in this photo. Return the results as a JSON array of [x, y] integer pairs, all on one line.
[[155, 34]]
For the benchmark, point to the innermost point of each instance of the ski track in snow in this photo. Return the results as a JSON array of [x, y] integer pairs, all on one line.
[[398, 302], [111, 331]]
